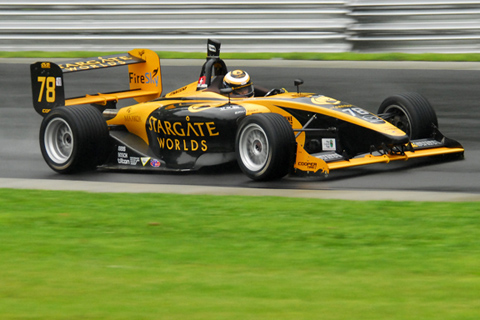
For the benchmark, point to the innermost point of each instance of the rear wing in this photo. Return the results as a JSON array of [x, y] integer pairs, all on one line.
[[144, 76]]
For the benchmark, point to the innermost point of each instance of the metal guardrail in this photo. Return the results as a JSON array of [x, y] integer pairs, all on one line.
[[415, 26], [269, 25], [260, 25]]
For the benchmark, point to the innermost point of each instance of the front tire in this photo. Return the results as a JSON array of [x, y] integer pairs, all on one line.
[[410, 112], [74, 139], [265, 146]]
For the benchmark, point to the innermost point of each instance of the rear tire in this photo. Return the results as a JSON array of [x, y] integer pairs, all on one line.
[[74, 139], [410, 112], [265, 146]]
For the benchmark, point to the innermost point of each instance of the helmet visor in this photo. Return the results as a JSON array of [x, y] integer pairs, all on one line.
[[243, 91]]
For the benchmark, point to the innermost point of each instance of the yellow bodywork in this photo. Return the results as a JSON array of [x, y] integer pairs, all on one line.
[[136, 117]]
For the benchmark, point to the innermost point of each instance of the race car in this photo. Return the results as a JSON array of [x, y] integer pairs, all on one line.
[[270, 135]]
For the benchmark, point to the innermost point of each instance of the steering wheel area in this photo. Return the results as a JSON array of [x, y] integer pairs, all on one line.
[[274, 91]]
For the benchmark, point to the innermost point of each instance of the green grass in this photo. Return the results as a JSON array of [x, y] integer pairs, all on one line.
[[352, 56], [74, 255]]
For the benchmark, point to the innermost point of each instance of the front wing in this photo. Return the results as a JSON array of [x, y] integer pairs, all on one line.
[[324, 162]]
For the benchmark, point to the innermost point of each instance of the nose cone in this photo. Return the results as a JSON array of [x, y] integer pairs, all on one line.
[[395, 140], [392, 134]]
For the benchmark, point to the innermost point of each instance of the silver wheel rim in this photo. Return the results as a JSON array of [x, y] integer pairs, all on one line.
[[400, 119], [58, 140], [253, 147]]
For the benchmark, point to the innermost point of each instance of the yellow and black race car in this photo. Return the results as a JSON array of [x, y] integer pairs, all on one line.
[[210, 122]]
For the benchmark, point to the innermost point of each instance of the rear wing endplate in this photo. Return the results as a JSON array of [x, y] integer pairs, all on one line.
[[144, 76]]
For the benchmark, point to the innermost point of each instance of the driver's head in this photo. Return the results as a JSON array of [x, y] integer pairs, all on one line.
[[240, 83]]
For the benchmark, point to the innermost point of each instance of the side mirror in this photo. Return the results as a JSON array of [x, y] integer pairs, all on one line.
[[298, 83], [226, 90]]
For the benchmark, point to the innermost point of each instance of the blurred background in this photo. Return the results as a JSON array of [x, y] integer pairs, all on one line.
[[441, 26]]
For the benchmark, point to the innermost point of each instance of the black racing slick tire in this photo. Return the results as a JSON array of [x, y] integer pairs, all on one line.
[[265, 146], [74, 139], [410, 112]]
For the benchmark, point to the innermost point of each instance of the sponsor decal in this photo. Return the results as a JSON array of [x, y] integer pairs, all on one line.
[[212, 48], [182, 136], [426, 143], [311, 166], [145, 160], [123, 161], [131, 118], [155, 163], [330, 157], [124, 158], [360, 113], [182, 145], [199, 108], [45, 65], [329, 144], [202, 80], [188, 129], [324, 100], [122, 152], [97, 63], [122, 155], [204, 107], [146, 78], [229, 107], [178, 91], [290, 119], [134, 161]]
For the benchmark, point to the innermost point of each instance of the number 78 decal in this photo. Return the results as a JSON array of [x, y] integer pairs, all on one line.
[[48, 85], [355, 111], [363, 114]]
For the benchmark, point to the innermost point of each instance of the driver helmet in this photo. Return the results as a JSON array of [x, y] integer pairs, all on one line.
[[240, 83]]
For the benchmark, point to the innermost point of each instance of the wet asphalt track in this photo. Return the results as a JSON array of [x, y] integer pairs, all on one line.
[[452, 88]]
